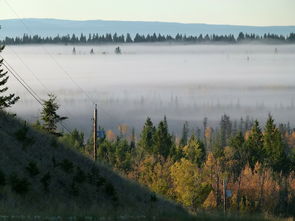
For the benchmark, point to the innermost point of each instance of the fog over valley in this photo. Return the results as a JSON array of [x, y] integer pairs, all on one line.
[[183, 82]]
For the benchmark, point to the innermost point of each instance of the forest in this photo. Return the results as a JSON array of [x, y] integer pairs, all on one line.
[[149, 38], [237, 166]]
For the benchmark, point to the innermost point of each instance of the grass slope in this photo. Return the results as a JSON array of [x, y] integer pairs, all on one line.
[[38, 175]]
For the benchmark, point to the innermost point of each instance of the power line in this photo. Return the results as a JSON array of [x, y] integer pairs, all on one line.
[[22, 82], [35, 76], [29, 89], [59, 65], [52, 58], [28, 68]]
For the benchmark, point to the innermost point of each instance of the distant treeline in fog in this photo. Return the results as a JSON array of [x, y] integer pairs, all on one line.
[[138, 38]]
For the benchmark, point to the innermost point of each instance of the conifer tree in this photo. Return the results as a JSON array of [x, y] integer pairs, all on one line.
[[254, 146], [163, 140], [146, 141], [274, 147], [184, 136], [5, 100], [195, 151], [49, 116]]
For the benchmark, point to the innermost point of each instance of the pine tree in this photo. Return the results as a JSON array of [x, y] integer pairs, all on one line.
[[163, 140], [184, 137], [49, 116], [195, 151], [274, 147], [254, 146], [146, 141], [5, 100]]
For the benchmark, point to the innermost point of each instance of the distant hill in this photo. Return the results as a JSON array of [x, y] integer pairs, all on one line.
[[53, 27], [39, 176]]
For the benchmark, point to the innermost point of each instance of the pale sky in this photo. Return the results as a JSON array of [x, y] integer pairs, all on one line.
[[234, 12]]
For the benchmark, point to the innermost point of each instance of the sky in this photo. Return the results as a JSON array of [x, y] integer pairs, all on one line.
[[233, 12]]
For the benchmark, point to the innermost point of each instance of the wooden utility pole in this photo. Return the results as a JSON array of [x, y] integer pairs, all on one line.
[[94, 132]]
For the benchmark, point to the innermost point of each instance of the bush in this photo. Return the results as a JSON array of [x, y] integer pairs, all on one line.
[[32, 169], [110, 191], [80, 176], [67, 166], [54, 143], [21, 136], [74, 189], [19, 185], [153, 198], [2, 178], [45, 180]]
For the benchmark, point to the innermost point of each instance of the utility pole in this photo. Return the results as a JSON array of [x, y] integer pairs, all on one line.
[[94, 132]]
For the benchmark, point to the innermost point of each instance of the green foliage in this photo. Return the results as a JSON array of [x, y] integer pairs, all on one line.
[[80, 176], [74, 189], [53, 142], [123, 155], [45, 181], [164, 144], [67, 166], [21, 135], [195, 151], [111, 191], [5, 100], [146, 141], [254, 146], [184, 136], [2, 178], [49, 116], [274, 148], [19, 185], [154, 198], [32, 169], [74, 139]]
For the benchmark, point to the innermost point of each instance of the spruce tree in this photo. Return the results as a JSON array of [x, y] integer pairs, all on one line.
[[5, 100], [274, 147], [254, 146], [163, 140], [49, 116], [146, 141], [195, 151], [184, 137]]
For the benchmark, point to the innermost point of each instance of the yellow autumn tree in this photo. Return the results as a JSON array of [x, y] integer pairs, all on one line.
[[189, 184], [154, 172]]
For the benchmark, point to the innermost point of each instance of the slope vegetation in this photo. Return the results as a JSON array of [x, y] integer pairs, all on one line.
[[38, 175]]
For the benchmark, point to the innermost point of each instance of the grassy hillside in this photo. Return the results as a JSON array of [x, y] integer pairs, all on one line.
[[38, 175]]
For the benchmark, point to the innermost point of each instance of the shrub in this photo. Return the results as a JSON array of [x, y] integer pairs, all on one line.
[[67, 166], [74, 189], [54, 143], [110, 191], [45, 180], [21, 136], [19, 185], [32, 169], [80, 176], [153, 198], [2, 178]]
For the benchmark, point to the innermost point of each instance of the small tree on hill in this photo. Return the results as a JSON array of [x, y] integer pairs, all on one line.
[[5, 100], [49, 116]]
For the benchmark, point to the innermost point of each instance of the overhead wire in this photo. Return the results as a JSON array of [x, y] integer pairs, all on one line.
[[61, 67], [34, 75], [28, 88]]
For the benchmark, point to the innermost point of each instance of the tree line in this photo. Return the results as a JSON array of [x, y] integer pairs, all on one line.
[[149, 38], [238, 166]]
